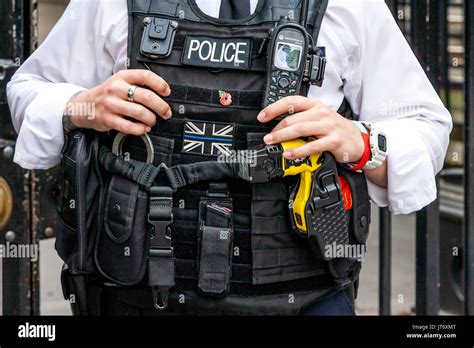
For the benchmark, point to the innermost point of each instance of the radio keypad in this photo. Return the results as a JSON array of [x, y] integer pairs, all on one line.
[[283, 84]]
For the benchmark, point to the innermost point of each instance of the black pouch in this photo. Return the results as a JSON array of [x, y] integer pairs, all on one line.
[[123, 239], [346, 270], [360, 213], [80, 183], [215, 242]]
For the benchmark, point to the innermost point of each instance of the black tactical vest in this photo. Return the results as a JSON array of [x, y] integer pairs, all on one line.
[[226, 245]]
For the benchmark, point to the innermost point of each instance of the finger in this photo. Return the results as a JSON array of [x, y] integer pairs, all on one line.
[[146, 78], [153, 102], [143, 96], [298, 130], [311, 148], [289, 105], [305, 116], [128, 127], [134, 110]]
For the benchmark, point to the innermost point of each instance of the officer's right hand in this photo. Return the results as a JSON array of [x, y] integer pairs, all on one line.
[[110, 103]]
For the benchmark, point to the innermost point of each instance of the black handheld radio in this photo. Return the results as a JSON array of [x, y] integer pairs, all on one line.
[[292, 59]]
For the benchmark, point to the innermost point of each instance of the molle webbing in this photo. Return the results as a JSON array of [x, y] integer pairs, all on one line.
[[206, 96]]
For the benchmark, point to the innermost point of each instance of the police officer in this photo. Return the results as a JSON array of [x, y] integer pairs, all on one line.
[[82, 68]]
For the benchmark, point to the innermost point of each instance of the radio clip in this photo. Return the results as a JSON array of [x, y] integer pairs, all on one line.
[[158, 37], [316, 67]]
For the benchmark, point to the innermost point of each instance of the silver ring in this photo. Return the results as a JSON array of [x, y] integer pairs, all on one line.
[[118, 145], [131, 93]]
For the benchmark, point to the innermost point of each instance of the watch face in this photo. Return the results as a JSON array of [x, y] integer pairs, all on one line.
[[382, 140]]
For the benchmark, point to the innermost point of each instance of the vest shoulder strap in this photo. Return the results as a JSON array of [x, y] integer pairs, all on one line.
[[316, 14], [267, 11]]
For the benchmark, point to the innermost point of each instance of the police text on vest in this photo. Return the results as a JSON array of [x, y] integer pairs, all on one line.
[[229, 53]]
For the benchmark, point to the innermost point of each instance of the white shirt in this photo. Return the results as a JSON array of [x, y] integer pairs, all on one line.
[[369, 63]]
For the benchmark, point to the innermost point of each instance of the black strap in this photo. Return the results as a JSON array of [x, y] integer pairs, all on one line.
[[130, 6], [139, 172], [161, 262], [318, 14], [234, 9], [176, 177], [187, 174]]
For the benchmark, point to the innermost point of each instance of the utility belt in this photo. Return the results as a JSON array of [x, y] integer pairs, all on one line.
[[194, 226]]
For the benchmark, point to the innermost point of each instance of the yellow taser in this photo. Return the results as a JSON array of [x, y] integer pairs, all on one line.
[[305, 167]]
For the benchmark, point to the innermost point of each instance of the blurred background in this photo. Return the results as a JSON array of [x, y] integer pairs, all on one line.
[[414, 263]]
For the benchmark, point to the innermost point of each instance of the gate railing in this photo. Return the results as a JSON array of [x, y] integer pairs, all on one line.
[[426, 23]]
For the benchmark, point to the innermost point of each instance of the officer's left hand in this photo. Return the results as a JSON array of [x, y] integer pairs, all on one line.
[[307, 118]]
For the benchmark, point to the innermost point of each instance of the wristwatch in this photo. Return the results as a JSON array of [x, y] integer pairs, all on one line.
[[378, 146], [68, 126]]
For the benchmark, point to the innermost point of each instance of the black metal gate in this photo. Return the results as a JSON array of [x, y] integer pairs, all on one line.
[[428, 26], [27, 212]]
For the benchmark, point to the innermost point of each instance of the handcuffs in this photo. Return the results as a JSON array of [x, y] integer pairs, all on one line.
[[120, 138]]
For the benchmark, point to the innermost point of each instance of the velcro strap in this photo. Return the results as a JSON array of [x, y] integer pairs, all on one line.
[[187, 234], [186, 269], [270, 191], [205, 96], [270, 225], [280, 258]]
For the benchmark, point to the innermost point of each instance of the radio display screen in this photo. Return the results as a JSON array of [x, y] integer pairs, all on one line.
[[288, 56]]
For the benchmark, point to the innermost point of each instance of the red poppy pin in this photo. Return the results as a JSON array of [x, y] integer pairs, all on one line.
[[226, 98]]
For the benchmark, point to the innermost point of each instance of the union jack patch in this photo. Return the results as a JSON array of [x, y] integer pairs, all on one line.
[[207, 138]]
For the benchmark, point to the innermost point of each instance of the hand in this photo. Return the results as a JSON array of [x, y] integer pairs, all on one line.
[[311, 118], [110, 105]]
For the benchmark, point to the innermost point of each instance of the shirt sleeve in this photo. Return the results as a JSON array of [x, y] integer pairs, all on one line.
[[75, 56], [386, 85]]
